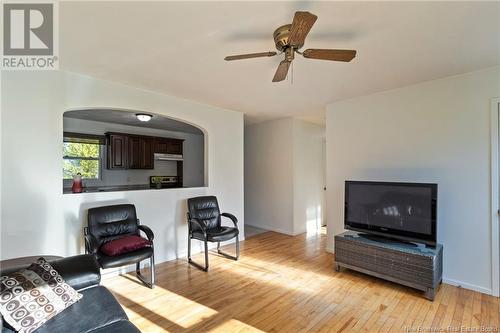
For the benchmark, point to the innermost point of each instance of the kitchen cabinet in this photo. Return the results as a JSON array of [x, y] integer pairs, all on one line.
[[129, 151], [168, 146], [134, 152], [174, 147], [140, 153], [161, 146], [117, 145], [147, 153]]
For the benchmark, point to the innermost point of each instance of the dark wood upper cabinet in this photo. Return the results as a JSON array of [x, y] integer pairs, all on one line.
[[127, 151], [117, 151], [134, 152], [174, 147], [147, 153], [161, 146], [168, 146], [140, 154]]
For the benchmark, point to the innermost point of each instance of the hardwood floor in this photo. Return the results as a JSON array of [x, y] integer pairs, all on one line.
[[288, 284]]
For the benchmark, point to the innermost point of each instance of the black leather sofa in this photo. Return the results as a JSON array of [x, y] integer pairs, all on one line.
[[98, 311]]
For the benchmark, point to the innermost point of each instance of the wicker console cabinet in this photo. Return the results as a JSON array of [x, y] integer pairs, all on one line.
[[418, 267]]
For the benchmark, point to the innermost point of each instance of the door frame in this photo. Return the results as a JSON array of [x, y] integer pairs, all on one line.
[[495, 197]]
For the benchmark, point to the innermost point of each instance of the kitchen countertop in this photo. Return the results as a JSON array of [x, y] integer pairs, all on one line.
[[115, 188]]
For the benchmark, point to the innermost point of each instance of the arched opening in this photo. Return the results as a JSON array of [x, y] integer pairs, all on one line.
[[118, 150]]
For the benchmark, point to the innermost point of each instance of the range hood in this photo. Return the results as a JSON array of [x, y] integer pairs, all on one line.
[[168, 157]]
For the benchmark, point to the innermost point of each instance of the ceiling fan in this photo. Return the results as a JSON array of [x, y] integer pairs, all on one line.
[[289, 39]]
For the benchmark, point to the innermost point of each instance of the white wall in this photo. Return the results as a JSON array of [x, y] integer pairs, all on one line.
[[284, 175], [38, 219], [193, 151], [438, 132], [269, 175]]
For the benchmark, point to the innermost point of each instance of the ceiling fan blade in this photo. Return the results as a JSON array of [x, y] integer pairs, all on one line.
[[326, 54], [282, 71], [250, 55], [301, 25]]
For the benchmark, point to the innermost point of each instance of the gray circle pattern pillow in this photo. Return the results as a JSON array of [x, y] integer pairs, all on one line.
[[31, 296]]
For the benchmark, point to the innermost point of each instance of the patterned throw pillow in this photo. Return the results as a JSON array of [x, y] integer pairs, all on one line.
[[31, 296]]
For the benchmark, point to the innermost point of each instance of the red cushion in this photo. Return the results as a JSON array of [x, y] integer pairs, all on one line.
[[124, 245]]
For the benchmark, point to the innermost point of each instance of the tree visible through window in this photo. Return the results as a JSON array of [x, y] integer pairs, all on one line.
[[81, 154]]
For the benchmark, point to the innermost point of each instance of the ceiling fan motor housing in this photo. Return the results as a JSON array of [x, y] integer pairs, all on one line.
[[281, 36]]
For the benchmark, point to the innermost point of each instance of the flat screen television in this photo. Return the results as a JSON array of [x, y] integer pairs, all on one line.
[[404, 211]]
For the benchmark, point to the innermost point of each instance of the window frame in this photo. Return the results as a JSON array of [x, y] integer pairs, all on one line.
[[80, 138]]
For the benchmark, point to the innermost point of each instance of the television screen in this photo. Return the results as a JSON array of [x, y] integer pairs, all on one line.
[[400, 210]]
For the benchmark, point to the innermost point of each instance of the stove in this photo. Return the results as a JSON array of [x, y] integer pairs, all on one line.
[[163, 181]]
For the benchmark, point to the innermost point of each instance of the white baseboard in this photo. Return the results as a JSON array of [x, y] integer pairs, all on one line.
[[480, 289], [268, 228], [279, 230], [329, 250]]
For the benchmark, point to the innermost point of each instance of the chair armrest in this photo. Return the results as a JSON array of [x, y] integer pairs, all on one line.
[[199, 223], [149, 233], [90, 242], [231, 217]]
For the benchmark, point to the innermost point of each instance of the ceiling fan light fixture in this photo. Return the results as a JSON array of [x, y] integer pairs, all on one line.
[[143, 117], [289, 39]]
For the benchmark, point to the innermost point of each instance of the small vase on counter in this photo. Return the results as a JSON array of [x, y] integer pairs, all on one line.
[[77, 184]]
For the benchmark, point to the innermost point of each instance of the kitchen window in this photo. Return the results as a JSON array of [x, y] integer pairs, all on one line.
[[82, 153]]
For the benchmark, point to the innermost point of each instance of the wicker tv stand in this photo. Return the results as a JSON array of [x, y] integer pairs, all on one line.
[[414, 266]]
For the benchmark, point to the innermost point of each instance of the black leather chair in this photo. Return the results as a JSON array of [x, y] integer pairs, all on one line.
[[112, 222], [204, 224]]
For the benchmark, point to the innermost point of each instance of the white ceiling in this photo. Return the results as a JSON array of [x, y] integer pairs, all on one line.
[[178, 48], [128, 118]]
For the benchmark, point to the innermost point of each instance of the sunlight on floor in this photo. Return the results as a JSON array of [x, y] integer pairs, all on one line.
[[184, 315], [234, 325], [298, 279], [182, 311]]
